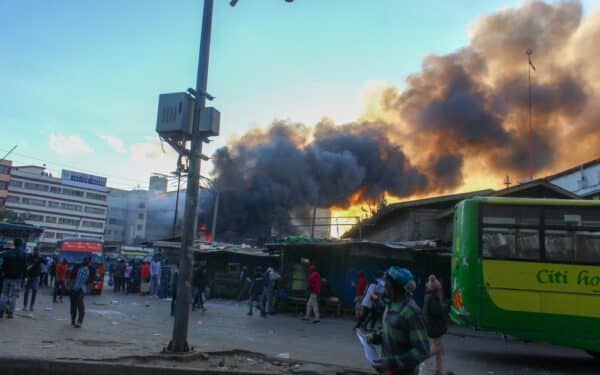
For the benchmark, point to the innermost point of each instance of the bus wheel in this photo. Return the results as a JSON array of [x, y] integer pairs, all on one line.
[[594, 354]]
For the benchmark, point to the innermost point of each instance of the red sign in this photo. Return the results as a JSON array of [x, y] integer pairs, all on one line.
[[83, 246]]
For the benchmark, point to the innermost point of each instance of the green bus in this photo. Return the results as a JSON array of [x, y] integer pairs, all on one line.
[[529, 268]]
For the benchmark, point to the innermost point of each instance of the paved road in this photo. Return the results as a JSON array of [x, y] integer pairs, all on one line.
[[117, 325]]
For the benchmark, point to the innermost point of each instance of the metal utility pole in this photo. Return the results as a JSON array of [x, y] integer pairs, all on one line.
[[529, 53], [179, 343], [177, 200], [214, 218]]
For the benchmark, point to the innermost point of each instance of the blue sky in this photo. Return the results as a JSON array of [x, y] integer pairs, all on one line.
[[80, 79]]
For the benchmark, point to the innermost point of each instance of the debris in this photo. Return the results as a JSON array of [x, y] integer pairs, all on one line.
[[199, 322], [156, 334], [114, 302], [48, 346], [61, 319], [99, 303], [285, 355], [48, 309], [115, 323]]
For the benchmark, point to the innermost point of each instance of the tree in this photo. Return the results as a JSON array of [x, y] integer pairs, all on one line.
[[9, 216]]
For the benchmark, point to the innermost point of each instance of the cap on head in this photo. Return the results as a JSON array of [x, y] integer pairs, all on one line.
[[402, 277]]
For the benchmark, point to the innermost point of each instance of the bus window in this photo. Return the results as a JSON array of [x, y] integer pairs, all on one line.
[[587, 247], [572, 217], [559, 245], [510, 215], [511, 243]]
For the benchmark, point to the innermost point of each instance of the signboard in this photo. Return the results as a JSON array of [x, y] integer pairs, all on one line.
[[83, 179], [82, 246]]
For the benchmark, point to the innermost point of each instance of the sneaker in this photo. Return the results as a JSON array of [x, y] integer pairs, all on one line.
[[316, 321], [9, 316], [31, 308], [77, 325], [250, 313]]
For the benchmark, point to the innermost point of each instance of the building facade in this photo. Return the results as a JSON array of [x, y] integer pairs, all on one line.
[[158, 184], [74, 205], [126, 218], [5, 166]]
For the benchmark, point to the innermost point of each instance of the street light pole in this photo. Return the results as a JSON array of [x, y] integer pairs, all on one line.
[[179, 343]]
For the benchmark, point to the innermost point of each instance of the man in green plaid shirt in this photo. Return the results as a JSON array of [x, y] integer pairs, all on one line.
[[403, 338]]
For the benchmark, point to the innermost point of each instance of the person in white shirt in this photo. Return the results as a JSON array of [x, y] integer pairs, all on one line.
[[154, 277], [368, 309]]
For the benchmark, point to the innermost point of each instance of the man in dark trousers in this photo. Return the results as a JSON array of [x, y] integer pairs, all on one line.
[[198, 285], [14, 269], [79, 289], [34, 271], [174, 281], [256, 282]]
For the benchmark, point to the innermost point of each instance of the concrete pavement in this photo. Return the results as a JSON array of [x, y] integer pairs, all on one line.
[[119, 325]]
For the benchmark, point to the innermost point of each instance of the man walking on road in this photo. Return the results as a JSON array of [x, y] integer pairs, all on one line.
[[403, 338], [256, 282], [14, 268], [34, 271], [313, 284], [80, 287], [198, 285], [266, 299], [154, 277]]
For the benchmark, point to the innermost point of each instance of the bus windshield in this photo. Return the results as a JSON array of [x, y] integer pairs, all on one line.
[[76, 257]]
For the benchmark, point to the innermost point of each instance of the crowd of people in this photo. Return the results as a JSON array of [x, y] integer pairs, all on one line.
[[29, 272], [136, 276]]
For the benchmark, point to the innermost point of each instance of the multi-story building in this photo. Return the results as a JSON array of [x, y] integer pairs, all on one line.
[[158, 184], [5, 166], [71, 206], [126, 219]]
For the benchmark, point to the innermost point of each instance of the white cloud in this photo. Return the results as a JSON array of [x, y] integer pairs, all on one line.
[[66, 145], [114, 142]]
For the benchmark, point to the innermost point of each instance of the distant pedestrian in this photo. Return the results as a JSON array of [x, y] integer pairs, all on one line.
[[155, 269], [174, 281], [368, 307], [266, 300], [256, 282], [118, 276], [14, 270], [52, 271], [436, 313], [403, 338], [198, 286], [34, 271], [145, 278], [60, 286], [361, 287], [127, 277], [313, 284], [78, 291]]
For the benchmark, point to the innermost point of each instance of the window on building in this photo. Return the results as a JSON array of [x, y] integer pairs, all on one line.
[[13, 199], [92, 224], [53, 204], [31, 217], [70, 207], [2, 202], [108, 232], [16, 183], [4, 169], [95, 196], [3, 185], [33, 202], [66, 221], [50, 219], [36, 186], [49, 235], [141, 216], [55, 189], [94, 210], [59, 236], [142, 205], [72, 192], [139, 227]]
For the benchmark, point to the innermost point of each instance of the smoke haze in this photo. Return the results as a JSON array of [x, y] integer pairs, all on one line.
[[464, 109]]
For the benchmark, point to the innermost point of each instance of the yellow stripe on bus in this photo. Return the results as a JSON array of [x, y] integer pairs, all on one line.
[[550, 288]]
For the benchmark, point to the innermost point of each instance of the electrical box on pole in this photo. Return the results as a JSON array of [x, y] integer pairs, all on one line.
[[174, 119], [210, 120]]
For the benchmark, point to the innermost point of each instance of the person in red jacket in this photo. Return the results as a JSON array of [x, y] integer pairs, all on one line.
[[361, 287], [313, 284]]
